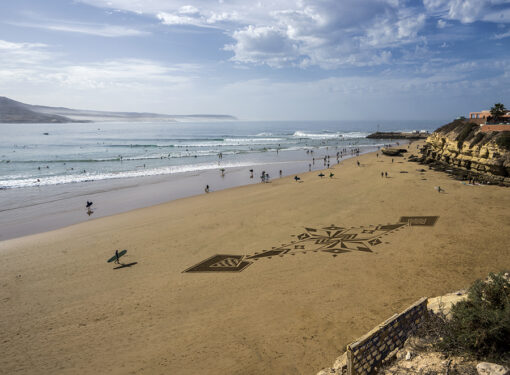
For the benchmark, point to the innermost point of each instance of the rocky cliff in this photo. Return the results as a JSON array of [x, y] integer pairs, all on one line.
[[463, 150]]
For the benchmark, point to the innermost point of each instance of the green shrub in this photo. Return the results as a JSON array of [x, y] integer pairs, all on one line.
[[480, 325]]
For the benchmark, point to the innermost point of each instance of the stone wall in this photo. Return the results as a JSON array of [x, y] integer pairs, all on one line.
[[495, 128], [370, 350]]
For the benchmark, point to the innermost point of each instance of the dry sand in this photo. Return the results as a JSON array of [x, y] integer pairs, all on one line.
[[64, 310]]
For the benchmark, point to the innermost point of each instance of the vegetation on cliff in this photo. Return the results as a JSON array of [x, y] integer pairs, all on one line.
[[478, 326], [498, 110]]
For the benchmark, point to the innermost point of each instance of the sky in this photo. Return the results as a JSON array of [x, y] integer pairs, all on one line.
[[259, 59]]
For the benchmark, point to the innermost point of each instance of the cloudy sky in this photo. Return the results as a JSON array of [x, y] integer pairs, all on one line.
[[259, 59]]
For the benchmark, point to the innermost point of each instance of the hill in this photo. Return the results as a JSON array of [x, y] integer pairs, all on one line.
[[17, 112], [12, 111]]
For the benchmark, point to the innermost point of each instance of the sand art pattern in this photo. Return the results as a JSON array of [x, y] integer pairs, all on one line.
[[332, 239]]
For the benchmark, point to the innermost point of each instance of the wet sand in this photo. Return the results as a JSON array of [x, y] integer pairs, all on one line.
[[66, 311], [34, 210]]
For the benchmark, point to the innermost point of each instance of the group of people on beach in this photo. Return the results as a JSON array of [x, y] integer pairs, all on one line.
[[326, 159]]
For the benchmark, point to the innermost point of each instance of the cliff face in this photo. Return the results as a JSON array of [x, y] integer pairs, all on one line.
[[462, 146]]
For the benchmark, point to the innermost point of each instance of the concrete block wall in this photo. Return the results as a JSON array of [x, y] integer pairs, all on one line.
[[370, 350]]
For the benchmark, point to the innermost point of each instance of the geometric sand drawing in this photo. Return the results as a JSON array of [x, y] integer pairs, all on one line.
[[221, 263], [428, 221], [332, 239]]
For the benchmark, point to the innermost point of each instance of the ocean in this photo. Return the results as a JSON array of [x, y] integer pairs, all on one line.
[[53, 154]]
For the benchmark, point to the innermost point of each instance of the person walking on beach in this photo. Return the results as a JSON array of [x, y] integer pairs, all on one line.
[[263, 176], [117, 257], [386, 174], [382, 174], [206, 188], [280, 173]]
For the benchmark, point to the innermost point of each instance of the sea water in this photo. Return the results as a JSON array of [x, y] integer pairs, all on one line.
[[50, 154]]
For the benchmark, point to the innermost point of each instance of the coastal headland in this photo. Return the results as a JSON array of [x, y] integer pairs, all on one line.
[[299, 270]]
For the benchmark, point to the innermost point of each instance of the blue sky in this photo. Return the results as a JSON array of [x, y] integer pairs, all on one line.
[[259, 60]]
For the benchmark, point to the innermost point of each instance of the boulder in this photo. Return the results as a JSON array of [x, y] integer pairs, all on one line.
[[486, 368]]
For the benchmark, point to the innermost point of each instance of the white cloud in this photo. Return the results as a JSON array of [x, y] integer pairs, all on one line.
[[499, 16], [18, 54], [109, 31], [188, 9], [10, 46], [468, 11], [263, 44], [141, 84], [502, 35], [35, 63], [125, 73], [178, 19], [441, 24], [390, 32], [433, 92], [327, 33]]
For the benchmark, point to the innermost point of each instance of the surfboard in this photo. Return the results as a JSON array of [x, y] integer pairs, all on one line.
[[121, 253]]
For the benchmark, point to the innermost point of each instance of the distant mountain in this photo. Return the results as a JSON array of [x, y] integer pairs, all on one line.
[[17, 112], [13, 111]]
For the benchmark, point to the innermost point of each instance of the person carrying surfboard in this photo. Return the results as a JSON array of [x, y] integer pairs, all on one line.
[[116, 257]]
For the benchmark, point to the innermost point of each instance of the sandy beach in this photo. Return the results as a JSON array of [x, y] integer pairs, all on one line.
[[66, 311]]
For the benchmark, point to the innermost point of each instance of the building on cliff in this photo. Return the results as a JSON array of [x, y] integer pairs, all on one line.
[[488, 123]]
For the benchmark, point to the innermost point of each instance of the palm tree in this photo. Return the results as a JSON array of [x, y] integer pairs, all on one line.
[[498, 110]]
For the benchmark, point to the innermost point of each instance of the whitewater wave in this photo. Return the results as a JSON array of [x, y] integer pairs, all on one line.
[[87, 177], [329, 135], [302, 134], [172, 155]]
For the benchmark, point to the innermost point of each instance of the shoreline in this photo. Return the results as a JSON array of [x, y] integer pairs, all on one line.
[[57, 206]]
